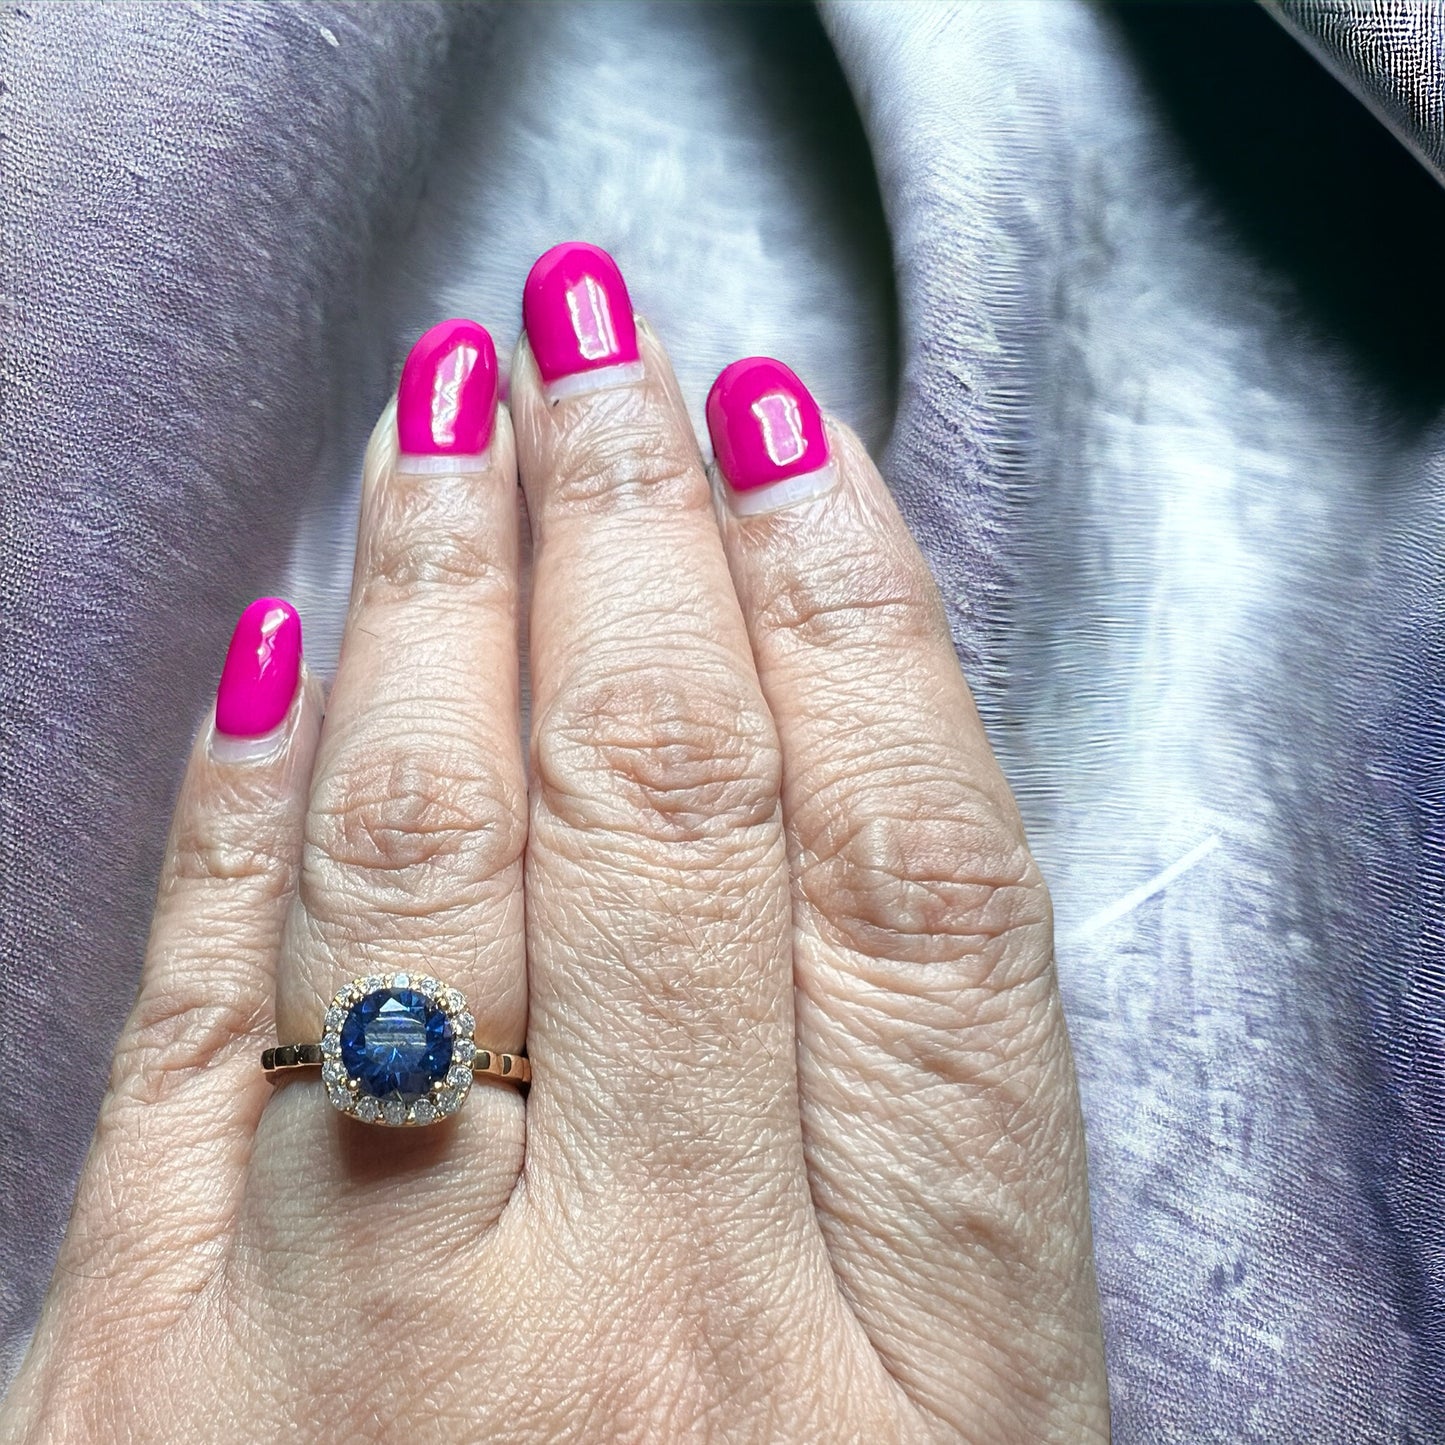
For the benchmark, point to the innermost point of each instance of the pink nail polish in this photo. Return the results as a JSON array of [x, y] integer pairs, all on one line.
[[446, 402], [577, 312], [262, 668], [765, 425]]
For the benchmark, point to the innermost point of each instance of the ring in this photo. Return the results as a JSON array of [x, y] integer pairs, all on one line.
[[398, 1050]]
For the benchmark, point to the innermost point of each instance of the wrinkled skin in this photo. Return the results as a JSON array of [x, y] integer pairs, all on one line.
[[802, 1159]]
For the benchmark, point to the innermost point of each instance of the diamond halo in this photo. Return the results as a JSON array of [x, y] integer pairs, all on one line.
[[445, 1094]]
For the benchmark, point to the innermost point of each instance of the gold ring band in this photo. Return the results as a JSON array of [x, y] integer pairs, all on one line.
[[286, 1059]]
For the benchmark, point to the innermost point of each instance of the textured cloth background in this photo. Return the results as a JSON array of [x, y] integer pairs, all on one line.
[[1143, 311]]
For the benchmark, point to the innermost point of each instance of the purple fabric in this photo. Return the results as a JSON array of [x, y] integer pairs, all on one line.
[[1149, 319]]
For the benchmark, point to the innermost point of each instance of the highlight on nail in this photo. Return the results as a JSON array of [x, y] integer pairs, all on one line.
[[446, 401], [261, 672], [768, 436], [579, 321]]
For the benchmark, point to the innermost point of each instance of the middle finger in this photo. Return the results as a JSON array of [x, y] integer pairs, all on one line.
[[657, 885]]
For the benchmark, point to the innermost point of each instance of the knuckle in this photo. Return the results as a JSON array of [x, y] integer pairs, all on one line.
[[229, 853], [928, 873], [230, 839], [405, 829], [185, 1017], [625, 454], [648, 749], [1004, 1182], [842, 600], [428, 535]]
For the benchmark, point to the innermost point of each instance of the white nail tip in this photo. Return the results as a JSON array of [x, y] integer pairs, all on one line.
[[226, 748], [410, 464], [786, 493], [600, 379]]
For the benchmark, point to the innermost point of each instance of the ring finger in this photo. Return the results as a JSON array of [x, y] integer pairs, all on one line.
[[416, 824]]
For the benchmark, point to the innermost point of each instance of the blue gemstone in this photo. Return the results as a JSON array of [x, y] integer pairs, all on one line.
[[396, 1043]]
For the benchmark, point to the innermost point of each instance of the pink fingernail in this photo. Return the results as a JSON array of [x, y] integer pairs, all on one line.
[[578, 316], [446, 402], [262, 668], [767, 429]]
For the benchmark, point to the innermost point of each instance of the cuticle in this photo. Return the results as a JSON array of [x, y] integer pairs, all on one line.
[[233, 749]]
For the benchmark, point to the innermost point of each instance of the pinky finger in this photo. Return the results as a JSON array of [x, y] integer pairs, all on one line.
[[161, 1186]]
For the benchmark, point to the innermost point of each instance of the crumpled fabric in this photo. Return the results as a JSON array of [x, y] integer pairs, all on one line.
[[1140, 308]]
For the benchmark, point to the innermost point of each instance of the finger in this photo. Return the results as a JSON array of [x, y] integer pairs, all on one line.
[[944, 1137], [159, 1194], [416, 823], [657, 894]]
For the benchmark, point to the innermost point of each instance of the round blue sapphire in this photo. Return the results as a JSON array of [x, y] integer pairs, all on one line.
[[396, 1043]]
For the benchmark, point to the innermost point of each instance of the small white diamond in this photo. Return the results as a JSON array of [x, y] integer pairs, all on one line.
[[341, 1097], [401, 980], [333, 1071], [423, 1111], [466, 1024], [335, 1017], [459, 1077], [368, 1109], [331, 1045], [372, 983], [428, 986], [394, 1111], [447, 1101], [452, 1001], [465, 1051]]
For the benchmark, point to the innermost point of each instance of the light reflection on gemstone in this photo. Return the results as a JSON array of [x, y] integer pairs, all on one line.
[[396, 1043], [398, 1053]]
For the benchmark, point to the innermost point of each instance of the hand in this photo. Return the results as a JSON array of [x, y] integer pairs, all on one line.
[[802, 1157]]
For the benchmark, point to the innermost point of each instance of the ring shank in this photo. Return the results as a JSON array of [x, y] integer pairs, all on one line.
[[287, 1059]]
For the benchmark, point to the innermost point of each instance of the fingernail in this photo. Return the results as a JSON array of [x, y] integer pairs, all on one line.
[[262, 669], [768, 436], [446, 401], [579, 324]]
